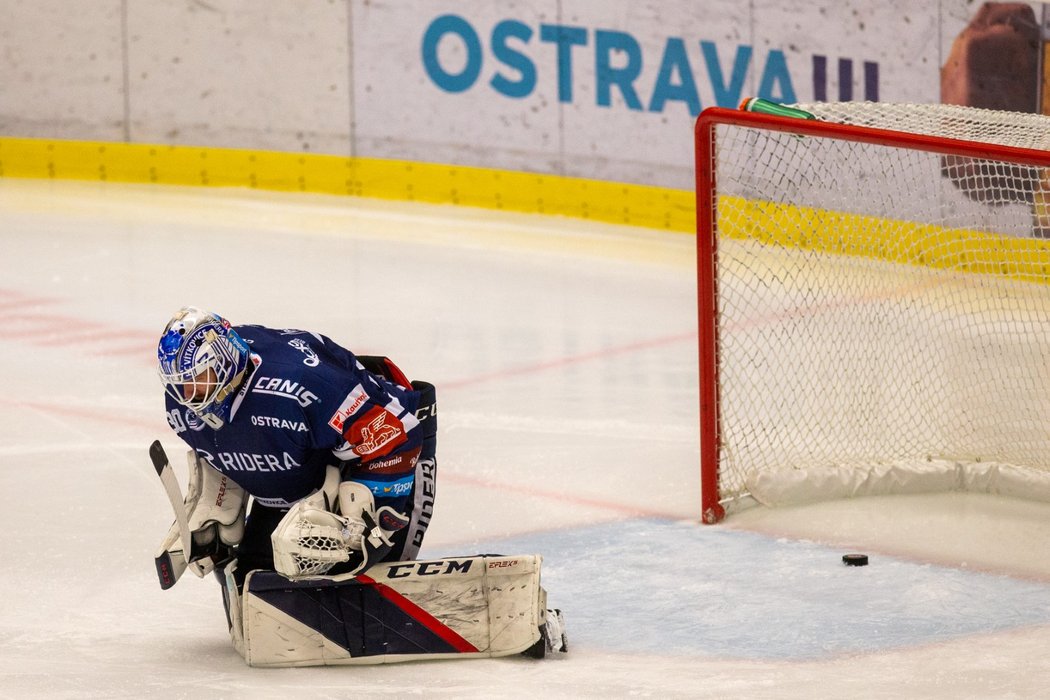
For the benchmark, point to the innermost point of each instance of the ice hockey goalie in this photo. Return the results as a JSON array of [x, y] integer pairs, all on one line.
[[337, 454]]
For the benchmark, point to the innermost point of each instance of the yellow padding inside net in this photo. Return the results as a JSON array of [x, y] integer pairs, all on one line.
[[907, 242]]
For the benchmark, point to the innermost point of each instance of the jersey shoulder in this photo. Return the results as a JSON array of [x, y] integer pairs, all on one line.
[[295, 350], [292, 364]]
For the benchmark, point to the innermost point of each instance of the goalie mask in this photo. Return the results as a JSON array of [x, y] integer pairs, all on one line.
[[202, 362]]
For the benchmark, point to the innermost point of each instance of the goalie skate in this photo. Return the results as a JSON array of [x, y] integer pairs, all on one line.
[[552, 637]]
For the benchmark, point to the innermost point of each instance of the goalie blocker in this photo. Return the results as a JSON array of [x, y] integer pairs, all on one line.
[[453, 608]]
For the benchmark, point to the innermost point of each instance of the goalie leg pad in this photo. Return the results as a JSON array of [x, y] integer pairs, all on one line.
[[465, 607]]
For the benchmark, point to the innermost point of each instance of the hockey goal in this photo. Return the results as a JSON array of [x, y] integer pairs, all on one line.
[[874, 302]]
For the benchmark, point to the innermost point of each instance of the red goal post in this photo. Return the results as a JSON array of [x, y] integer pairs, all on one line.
[[858, 275]]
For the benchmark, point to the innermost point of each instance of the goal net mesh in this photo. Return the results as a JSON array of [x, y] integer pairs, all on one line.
[[883, 312]]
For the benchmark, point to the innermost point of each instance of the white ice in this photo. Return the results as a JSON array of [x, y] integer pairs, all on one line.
[[565, 358]]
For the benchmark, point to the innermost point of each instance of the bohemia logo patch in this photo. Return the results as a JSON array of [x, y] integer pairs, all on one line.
[[375, 433], [394, 464]]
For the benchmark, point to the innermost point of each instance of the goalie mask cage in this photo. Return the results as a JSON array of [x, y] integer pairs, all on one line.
[[874, 303]]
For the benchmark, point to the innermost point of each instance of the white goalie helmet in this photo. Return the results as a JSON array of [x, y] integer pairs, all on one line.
[[202, 360]]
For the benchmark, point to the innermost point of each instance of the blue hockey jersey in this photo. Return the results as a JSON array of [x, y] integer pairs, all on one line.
[[306, 403]]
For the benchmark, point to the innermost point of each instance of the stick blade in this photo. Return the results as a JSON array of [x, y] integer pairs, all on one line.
[[169, 569], [159, 457]]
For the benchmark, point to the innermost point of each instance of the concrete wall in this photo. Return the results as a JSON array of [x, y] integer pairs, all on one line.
[[598, 89]]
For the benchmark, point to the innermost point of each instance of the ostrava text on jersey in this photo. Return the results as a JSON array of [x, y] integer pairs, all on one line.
[[305, 399]]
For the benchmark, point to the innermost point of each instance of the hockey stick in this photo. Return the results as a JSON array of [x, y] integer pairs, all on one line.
[[168, 570]]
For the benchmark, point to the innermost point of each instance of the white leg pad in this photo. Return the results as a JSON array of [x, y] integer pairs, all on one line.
[[459, 607]]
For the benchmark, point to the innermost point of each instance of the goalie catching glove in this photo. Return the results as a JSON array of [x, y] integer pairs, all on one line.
[[338, 524], [214, 507]]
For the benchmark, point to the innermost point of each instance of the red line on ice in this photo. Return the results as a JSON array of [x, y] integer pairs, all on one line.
[[569, 360]]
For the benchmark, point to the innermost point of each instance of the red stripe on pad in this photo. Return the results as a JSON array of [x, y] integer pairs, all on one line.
[[433, 624]]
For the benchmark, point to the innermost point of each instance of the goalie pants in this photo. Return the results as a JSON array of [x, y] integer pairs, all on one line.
[[256, 552]]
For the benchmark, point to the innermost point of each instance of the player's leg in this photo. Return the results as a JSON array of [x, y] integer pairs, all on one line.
[[255, 550]]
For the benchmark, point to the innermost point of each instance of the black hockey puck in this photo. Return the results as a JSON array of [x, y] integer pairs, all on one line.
[[855, 559]]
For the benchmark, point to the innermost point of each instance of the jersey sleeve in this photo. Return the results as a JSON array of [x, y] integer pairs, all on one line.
[[371, 419], [374, 431], [364, 420]]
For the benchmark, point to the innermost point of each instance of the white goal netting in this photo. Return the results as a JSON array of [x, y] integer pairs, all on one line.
[[883, 312]]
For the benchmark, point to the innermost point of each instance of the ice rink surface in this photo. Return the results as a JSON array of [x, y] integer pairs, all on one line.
[[564, 353]]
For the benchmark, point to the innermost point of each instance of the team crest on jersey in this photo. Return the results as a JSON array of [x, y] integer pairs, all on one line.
[[193, 421], [311, 359], [375, 433]]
